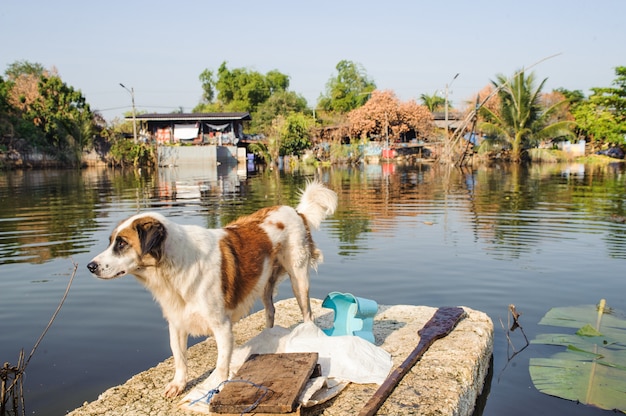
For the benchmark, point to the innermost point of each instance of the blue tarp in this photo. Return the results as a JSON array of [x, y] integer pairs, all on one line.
[[472, 138]]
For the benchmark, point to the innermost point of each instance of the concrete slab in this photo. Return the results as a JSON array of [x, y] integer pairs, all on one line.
[[446, 381]]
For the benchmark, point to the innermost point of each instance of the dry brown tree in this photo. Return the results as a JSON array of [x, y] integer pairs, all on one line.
[[385, 117]]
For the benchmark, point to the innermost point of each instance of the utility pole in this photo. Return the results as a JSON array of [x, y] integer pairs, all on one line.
[[131, 91], [446, 107]]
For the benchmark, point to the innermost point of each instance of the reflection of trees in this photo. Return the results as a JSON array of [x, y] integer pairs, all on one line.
[[46, 214], [522, 206], [513, 207]]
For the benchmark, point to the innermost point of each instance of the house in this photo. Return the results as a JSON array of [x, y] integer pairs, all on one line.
[[454, 120], [196, 128]]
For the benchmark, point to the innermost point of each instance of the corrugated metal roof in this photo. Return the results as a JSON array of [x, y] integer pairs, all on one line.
[[191, 116]]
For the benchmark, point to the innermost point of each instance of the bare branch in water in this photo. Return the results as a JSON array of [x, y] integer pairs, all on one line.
[[11, 377], [514, 315]]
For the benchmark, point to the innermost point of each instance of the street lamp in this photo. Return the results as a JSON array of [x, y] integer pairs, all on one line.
[[446, 106], [131, 91]]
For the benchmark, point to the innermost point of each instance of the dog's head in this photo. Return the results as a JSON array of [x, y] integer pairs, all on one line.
[[135, 244]]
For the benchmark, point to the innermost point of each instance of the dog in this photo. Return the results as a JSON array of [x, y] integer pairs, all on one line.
[[205, 280]]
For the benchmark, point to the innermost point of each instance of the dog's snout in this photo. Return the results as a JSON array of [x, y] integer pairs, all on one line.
[[93, 267]]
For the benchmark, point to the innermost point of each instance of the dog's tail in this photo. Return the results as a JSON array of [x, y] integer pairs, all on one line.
[[316, 203]]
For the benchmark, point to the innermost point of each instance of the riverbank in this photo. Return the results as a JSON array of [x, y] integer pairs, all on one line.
[[447, 381]]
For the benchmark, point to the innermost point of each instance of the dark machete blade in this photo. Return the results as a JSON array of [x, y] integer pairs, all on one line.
[[441, 324]]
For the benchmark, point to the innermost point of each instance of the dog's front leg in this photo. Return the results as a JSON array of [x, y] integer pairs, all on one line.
[[224, 339], [178, 344]]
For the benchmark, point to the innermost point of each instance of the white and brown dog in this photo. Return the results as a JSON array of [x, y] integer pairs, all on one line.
[[207, 279]]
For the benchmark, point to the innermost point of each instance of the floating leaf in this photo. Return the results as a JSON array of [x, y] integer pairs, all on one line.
[[588, 331], [592, 368]]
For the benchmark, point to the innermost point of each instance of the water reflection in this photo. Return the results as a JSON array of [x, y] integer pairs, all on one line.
[[426, 234], [513, 209]]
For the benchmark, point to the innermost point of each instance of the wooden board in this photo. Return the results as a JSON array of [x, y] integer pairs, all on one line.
[[284, 375]]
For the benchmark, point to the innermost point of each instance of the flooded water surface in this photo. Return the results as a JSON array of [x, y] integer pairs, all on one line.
[[537, 237]]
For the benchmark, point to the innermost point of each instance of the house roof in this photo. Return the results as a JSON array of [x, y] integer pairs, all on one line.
[[452, 115], [219, 117]]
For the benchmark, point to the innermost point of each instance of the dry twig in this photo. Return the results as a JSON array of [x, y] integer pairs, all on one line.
[[11, 377]]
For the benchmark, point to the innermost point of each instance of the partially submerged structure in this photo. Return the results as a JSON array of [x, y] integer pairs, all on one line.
[[448, 380], [196, 128]]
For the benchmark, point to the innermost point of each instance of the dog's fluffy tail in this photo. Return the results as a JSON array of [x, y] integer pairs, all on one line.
[[316, 203]]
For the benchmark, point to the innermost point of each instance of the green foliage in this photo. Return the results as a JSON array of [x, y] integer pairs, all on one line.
[[573, 97], [348, 90], [613, 98], [37, 107], [261, 150], [602, 118], [244, 90], [239, 89], [277, 81], [5, 109], [288, 135], [62, 113], [351, 153], [521, 120], [544, 155], [208, 85], [18, 68], [599, 124], [433, 102], [281, 103], [295, 134], [125, 152]]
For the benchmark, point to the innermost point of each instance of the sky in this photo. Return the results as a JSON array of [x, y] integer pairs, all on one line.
[[158, 49]]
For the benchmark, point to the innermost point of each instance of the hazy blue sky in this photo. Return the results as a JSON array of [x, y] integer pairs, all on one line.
[[411, 47]]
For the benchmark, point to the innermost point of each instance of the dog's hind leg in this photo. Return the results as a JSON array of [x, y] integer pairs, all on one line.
[[268, 303], [268, 294], [300, 284], [178, 343]]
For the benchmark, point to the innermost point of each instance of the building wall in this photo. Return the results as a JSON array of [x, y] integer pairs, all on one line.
[[196, 155]]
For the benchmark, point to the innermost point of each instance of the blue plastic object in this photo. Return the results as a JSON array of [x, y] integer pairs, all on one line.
[[353, 315]]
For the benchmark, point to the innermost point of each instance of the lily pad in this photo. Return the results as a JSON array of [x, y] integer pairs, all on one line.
[[592, 367]]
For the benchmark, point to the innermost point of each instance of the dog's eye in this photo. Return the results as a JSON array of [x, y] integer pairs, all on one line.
[[120, 244]]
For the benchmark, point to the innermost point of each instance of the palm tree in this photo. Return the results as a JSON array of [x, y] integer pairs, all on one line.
[[521, 120], [433, 102]]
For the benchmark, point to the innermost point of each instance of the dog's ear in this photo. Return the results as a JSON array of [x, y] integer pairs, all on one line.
[[152, 235]]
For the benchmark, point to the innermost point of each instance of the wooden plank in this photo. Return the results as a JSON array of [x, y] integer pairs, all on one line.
[[284, 376]]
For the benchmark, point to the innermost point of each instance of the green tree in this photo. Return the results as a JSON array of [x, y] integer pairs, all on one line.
[[208, 86], [286, 135], [521, 120], [348, 90], [598, 124], [295, 133], [277, 81], [602, 117], [125, 152], [280, 103], [239, 89], [36, 105], [613, 98], [62, 114], [433, 102], [5, 108], [573, 96], [19, 68]]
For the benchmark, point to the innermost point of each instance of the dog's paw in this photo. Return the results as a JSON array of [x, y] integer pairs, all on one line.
[[173, 389]]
